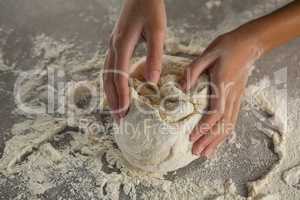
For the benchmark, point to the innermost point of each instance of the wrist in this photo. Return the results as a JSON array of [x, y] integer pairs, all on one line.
[[275, 29], [250, 37], [255, 36]]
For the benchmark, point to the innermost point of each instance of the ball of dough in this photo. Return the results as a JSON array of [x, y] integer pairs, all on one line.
[[154, 135]]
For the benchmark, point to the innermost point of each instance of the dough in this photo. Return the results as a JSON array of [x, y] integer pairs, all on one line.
[[154, 135]]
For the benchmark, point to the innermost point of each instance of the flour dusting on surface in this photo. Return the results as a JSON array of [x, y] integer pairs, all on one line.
[[62, 152]]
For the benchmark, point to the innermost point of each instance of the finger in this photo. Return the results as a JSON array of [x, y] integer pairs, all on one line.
[[193, 71], [226, 127], [202, 143], [121, 84], [123, 50], [214, 114], [109, 88], [205, 124], [155, 45], [213, 146], [155, 34]]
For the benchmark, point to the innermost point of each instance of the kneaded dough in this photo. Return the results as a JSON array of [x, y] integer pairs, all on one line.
[[154, 135]]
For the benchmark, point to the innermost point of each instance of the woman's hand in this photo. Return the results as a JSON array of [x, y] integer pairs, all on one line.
[[228, 61], [139, 19]]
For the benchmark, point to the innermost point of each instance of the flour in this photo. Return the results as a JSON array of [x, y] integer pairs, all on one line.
[[292, 177], [52, 156], [193, 43], [146, 137], [213, 3], [265, 99], [174, 46], [49, 48], [3, 67]]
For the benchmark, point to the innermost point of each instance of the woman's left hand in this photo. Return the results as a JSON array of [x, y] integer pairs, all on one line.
[[228, 61]]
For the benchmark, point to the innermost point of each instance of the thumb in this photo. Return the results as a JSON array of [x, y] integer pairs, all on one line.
[[193, 71], [155, 44]]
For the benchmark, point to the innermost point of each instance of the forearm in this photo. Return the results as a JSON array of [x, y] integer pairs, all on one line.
[[276, 28]]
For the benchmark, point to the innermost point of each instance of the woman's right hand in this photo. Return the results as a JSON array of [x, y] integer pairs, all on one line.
[[139, 19]]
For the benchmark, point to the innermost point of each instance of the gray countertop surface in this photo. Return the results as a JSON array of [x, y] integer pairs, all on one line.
[[88, 23]]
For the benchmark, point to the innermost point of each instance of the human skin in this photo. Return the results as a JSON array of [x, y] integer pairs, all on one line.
[[227, 60], [139, 20]]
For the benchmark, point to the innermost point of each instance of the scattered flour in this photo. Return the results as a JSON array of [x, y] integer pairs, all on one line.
[[48, 153], [48, 158]]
